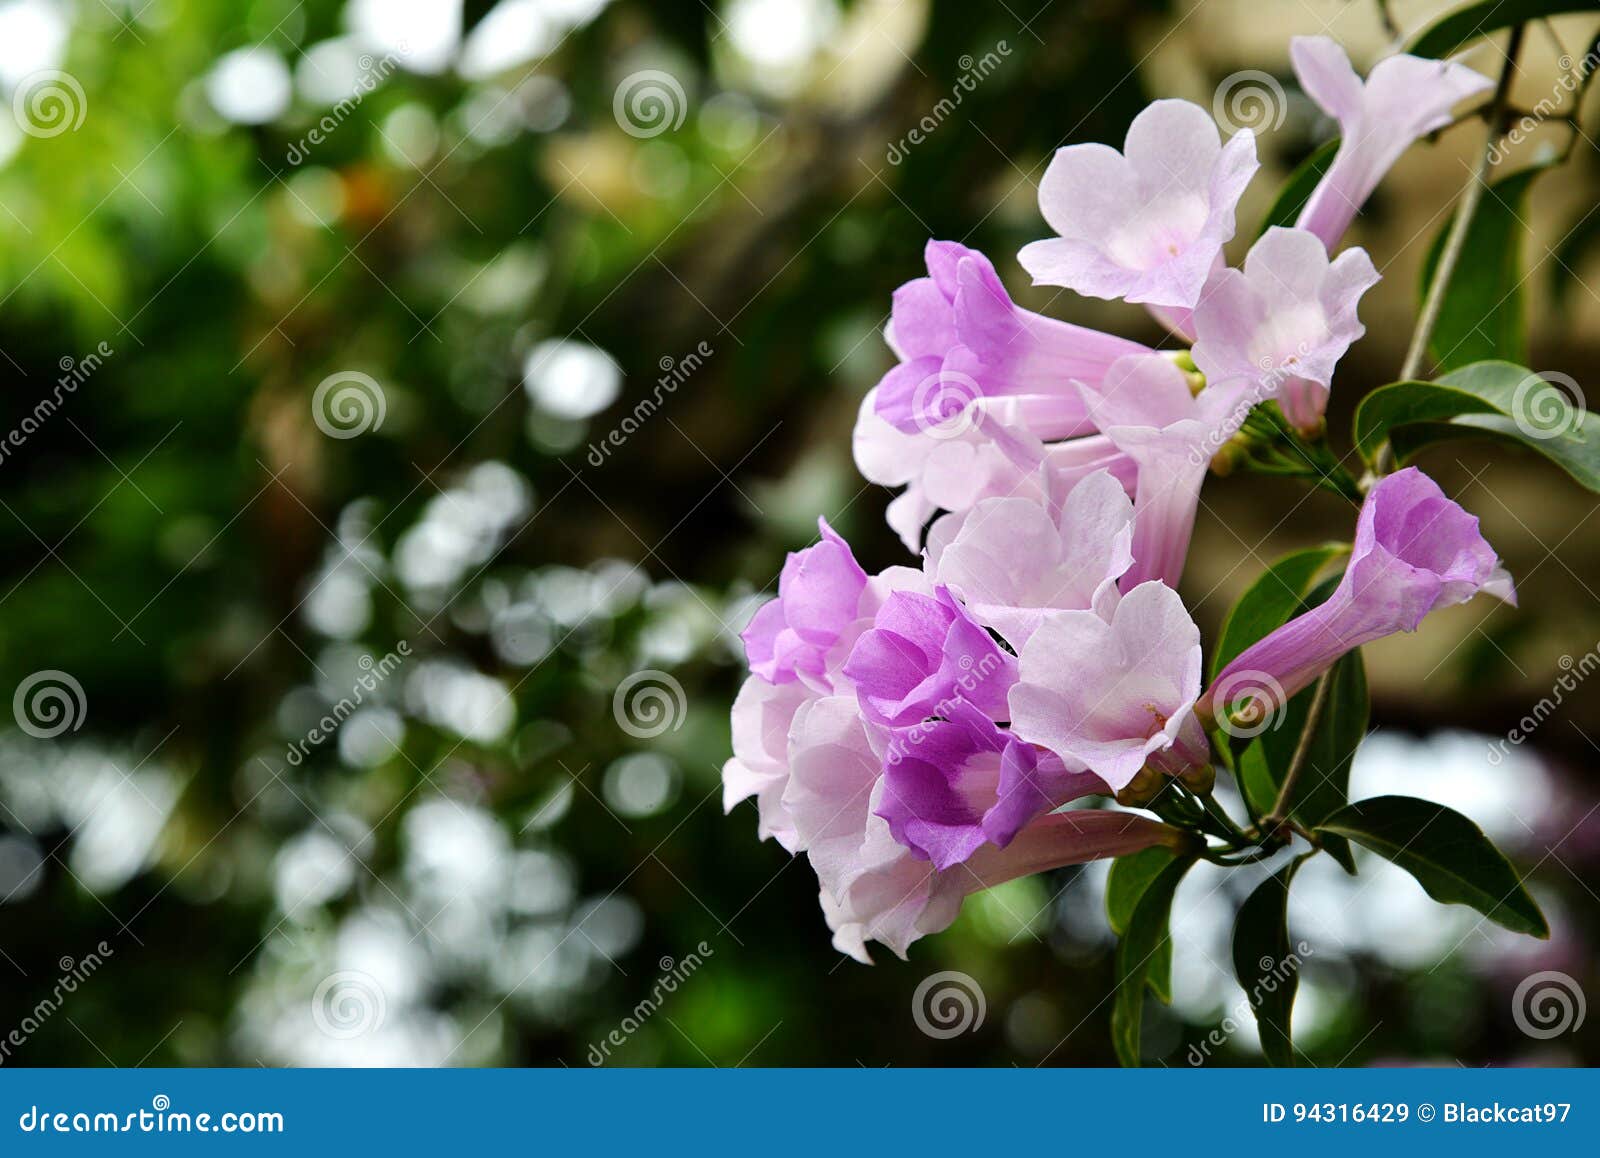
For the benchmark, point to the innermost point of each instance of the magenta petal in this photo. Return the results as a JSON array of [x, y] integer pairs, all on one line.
[[819, 591], [923, 655], [954, 784]]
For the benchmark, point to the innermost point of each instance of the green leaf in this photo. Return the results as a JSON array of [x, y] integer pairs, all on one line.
[[1137, 952], [1454, 30], [1266, 965], [1482, 314], [1270, 601], [1484, 400], [1576, 247], [1297, 187], [1130, 876], [1451, 858]]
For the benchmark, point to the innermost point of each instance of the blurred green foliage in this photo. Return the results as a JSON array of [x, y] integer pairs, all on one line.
[[183, 539]]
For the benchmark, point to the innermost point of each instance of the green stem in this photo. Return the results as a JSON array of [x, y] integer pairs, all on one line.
[[1219, 814], [1456, 242], [1302, 749]]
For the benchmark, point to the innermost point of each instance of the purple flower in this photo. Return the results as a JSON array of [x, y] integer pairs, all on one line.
[[759, 767], [951, 470], [1011, 560], [1415, 551], [963, 342], [957, 783], [875, 888], [819, 592], [1283, 323], [1145, 407], [1147, 224], [764, 712], [923, 654], [1113, 696], [1404, 98]]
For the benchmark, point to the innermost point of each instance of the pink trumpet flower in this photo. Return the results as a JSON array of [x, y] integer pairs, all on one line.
[[1114, 696], [1146, 224], [1013, 561], [1415, 551], [1146, 408], [1284, 321], [874, 887], [1403, 98], [962, 341]]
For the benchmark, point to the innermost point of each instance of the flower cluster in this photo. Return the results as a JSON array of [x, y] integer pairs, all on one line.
[[927, 732]]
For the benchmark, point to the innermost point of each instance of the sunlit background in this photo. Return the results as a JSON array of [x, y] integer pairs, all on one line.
[[357, 302]]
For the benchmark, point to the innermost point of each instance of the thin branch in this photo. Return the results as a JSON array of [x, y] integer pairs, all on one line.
[[1456, 242], [1302, 749]]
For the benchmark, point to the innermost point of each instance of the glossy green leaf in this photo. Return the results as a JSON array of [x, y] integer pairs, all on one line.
[[1127, 881], [1483, 314], [1267, 966], [1455, 30], [1270, 601], [1451, 858], [1296, 189], [1484, 400], [1578, 245], [1137, 951]]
